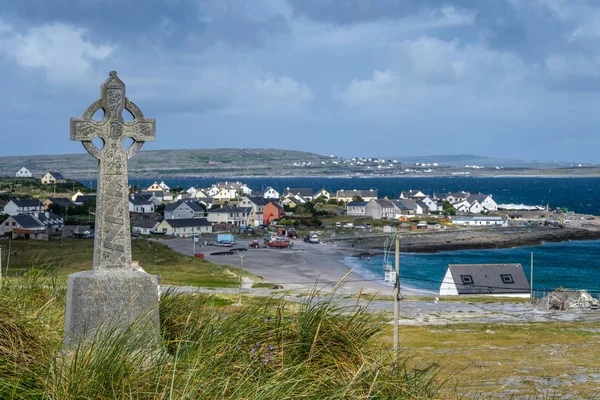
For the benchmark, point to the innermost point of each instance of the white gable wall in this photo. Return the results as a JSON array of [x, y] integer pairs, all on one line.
[[448, 287]]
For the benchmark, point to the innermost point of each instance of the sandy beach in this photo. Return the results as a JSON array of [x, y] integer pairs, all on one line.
[[301, 268]]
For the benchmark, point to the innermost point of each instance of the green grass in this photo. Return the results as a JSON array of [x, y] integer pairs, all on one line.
[[76, 255], [208, 350], [532, 360]]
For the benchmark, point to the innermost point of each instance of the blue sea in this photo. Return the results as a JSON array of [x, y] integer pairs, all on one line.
[[572, 265]]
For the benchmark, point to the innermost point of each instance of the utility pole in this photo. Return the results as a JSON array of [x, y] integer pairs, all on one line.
[[531, 279], [239, 302], [396, 296]]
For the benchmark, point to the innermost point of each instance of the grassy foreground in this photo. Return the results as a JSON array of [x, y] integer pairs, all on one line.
[[74, 255], [209, 350]]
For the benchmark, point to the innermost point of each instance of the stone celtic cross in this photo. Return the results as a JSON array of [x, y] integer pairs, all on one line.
[[112, 241]]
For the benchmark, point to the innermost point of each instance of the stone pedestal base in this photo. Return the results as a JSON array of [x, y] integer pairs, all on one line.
[[110, 299]]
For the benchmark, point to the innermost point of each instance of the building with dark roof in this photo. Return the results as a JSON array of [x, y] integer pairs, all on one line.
[[485, 279], [144, 226], [306, 193], [29, 206], [184, 227], [59, 201], [236, 216], [380, 209], [139, 204], [26, 225], [52, 177], [183, 209], [356, 208], [79, 200]]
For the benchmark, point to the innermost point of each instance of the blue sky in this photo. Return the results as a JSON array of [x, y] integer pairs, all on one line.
[[508, 78]]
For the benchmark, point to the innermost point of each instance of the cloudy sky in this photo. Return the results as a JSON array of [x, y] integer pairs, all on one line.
[[509, 78]]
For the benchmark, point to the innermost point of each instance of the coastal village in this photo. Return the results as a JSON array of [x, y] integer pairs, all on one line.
[[232, 206]]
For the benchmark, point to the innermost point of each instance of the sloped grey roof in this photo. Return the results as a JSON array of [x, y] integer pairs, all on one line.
[[405, 204], [61, 201], [138, 200], [479, 197], [27, 222], [28, 203], [357, 204], [191, 204], [259, 201], [487, 278], [56, 175]]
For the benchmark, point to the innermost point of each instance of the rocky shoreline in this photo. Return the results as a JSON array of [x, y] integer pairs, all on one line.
[[432, 242]]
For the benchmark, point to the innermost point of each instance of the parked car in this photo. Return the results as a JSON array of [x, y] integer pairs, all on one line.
[[338, 224], [349, 225]]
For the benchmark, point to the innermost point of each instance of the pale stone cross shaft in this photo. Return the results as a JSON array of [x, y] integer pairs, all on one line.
[[112, 240]]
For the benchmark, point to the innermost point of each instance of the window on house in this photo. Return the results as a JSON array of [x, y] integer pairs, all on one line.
[[466, 279], [6, 224], [507, 278], [14, 224]]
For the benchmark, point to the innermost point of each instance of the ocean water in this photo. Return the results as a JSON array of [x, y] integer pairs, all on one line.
[[572, 265], [579, 194]]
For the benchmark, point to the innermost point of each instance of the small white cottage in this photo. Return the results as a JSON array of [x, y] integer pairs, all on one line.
[[507, 280], [23, 173]]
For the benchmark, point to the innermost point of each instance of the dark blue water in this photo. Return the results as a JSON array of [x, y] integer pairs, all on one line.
[[573, 265], [578, 194]]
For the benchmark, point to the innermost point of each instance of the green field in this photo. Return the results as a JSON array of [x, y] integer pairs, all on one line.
[[76, 255]]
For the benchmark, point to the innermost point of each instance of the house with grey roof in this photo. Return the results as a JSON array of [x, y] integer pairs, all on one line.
[[236, 216], [485, 279], [139, 204], [185, 227], [407, 207], [306, 193], [27, 225], [485, 200], [25, 207], [183, 210], [52, 177], [256, 204], [380, 209], [144, 226], [62, 202], [356, 208]]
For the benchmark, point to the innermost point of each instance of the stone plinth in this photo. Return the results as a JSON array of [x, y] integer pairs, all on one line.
[[110, 299]]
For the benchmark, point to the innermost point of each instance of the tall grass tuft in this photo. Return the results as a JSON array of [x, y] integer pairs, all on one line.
[[268, 349]]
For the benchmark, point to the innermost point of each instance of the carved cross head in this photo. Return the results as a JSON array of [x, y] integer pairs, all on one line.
[[112, 129]]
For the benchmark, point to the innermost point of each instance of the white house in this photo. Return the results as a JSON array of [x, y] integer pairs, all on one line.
[[485, 200], [480, 221], [506, 280], [25, 207], [164, 186], [407, 206], [23, 173], [323, 193], [453, 197], [271, 193], [413, 195], [431, 204], [356, 208], [139, 204], [23, 224]]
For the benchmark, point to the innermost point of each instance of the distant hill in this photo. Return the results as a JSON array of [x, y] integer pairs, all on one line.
[[199, 162], [459, 160], [225, 163]]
